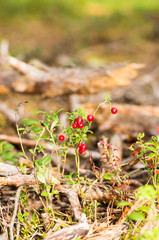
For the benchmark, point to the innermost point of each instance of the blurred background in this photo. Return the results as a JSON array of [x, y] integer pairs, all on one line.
[[81, 32]]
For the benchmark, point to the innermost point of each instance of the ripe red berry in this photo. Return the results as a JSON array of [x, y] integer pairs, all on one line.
[[90, 117], [83, 147], [61, 138], [81, 125], [79, 120], [80, 151], [79, 145], [75, 125], [114, 110]]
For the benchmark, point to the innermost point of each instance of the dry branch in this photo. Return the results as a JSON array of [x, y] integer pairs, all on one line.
[[58, 81], [69, 233], [129, 121], [9, 170], [32, 143], [24, 180]]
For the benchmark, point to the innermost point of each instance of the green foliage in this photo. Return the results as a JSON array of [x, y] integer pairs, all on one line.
[[150, 235], [148, 153], [7, 152], [45, 8], [143, 212]]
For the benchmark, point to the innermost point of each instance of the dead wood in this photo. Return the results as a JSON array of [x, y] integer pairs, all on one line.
[[101, 231], [116, 144], [58, 81], [30, 71], [8, 112], [129, 121], [69, 233], [32, 143], [24, 180], [9, 170], [16, 140], [75, 204]]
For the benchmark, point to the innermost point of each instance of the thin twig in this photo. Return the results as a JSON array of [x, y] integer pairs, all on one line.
[[15, 212]]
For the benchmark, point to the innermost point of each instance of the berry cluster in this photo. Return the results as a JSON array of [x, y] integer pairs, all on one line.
[[78, 123], [82, 148]]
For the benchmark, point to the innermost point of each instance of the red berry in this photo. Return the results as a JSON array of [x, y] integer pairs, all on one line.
[[83, 147], [79, 145], [79, 120], [61, 138], [114, 110], [80, 151], [90, 117], [81, 125], [75, 125]]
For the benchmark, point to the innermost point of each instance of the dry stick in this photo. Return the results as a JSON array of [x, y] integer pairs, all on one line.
[[9, 170], [21, 179], [75, 204], [3, 222], [79, 229], [11, 224], [32, 72], [8, 112], [116, 142], [28, 142]]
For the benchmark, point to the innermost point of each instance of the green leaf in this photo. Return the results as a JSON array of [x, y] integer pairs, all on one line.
[[40, 176], [137, 216], [151, 155], [45, 194], [107, 176], [31, 150], [46, 137], [7, 147], [9, 155], [36, 129], [38, 163], [59, 110], [38, 111], [69, 182], [29, 121], [26, 214], [19, 154], [15, 160], [54, 124], [123, 204], [83, 136], [55, 192], [149, 148], [147, 192], [20, 218], [45, 160], [21, 129]]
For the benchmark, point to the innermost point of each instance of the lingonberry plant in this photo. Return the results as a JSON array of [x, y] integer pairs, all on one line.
[[45, 133], [148, 153], [74, 135]]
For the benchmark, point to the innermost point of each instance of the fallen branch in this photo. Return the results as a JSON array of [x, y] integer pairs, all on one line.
[[9, 170], [58, 81], [32, 143], [69, 233], [129, 121], [24, 180]]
